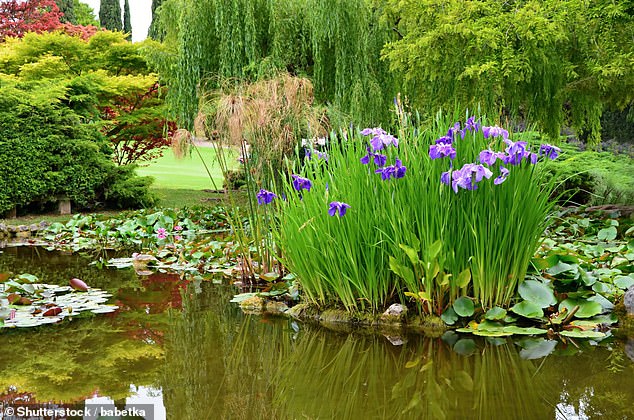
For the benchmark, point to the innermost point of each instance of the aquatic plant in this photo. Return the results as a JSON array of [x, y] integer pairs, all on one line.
[[438, 214]]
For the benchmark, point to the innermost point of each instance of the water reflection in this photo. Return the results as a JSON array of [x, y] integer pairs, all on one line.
[[220, 364], [194, 356]]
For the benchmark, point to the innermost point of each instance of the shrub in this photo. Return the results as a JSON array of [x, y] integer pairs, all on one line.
[[46, 152]]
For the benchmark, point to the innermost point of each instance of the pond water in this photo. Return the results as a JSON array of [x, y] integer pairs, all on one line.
[[179, 345]]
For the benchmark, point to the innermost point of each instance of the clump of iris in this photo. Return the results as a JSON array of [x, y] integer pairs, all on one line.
[[471, 174]]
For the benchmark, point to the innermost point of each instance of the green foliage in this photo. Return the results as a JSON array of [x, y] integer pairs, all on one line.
[[54, 88], [444, 244], [124, 190], [595, 178], [153, 31], [110, 15], [525, 58], [336, 43], [84, 15]]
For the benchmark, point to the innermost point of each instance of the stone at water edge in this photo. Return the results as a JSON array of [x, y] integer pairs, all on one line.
[[628, 301], [395, 313], [78, 285], [629, 348]]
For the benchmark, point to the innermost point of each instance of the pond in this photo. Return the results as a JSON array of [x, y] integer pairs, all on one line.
[[178, 344]]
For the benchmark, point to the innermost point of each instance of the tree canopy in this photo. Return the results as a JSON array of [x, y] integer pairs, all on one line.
[[555, 62], [110, 15]]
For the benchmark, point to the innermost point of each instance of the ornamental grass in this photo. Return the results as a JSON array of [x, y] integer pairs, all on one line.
[[453, 210]]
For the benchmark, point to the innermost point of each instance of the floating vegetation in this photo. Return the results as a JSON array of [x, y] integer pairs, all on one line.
[[26, 303]]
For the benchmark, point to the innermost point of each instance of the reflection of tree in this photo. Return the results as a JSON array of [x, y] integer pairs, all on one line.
[[597, 381], [71, 361]]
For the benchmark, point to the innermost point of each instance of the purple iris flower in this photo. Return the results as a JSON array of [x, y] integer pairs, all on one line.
[[374, 131], [338, 207], [444, 140], [265, 197], [533, 158], [472, 125], [379, 141], [516, 151], [549, 151], [441, 150], [488, 157], [397, 171], [445, 178], [453, 130], [503, 174], [378, 158], [495, 131], [300, 183], [468, 176]]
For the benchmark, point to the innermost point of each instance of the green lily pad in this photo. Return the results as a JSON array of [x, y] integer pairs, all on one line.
[[464, 306], [607, 234], [513, 329], [587, 308], [487, 333], [449, 317], [528, 309], [582, 334], [562, 267], [495, 314], [601, 300], [537, 292], [624, 282]]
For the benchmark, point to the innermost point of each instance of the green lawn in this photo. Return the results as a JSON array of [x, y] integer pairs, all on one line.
[[187, 173]]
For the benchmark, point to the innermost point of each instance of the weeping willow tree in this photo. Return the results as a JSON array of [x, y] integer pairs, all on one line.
[[335, 43], [554, 62]]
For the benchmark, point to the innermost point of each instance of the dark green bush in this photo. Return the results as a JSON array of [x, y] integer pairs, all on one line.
[[593, 178], [125, 190], [46, 151]]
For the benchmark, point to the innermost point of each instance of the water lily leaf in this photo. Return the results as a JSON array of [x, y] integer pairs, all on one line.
[[601, 300], [582, 334], [537, 348], [269, 276], [242, 297], [105, 309], [562, 267], [601, 287], [30, 278], [495, 314], [490, 333], [607, 234], [587, 278], [537, 292], [449, 317], [528, 309], [464, 306], [624, 282], [513, 329], [587, 308], [465, 347]]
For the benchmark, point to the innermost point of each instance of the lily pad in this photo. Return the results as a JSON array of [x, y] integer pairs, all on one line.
[[537, 292], [587, 308], [449, 317], [464, 306], [624, 282], [582, 334], [513, 329], [528, 309], [495, 314], [465, 347], [607, 234]]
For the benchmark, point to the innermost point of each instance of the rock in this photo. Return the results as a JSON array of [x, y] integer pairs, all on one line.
[[23, 228], [276, 307], [23, 234], [44, 224], [394, 314], [628, 301], [34, 228], [396, 340]]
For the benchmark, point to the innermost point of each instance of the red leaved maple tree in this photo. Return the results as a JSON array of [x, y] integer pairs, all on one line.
[[18, 17]]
